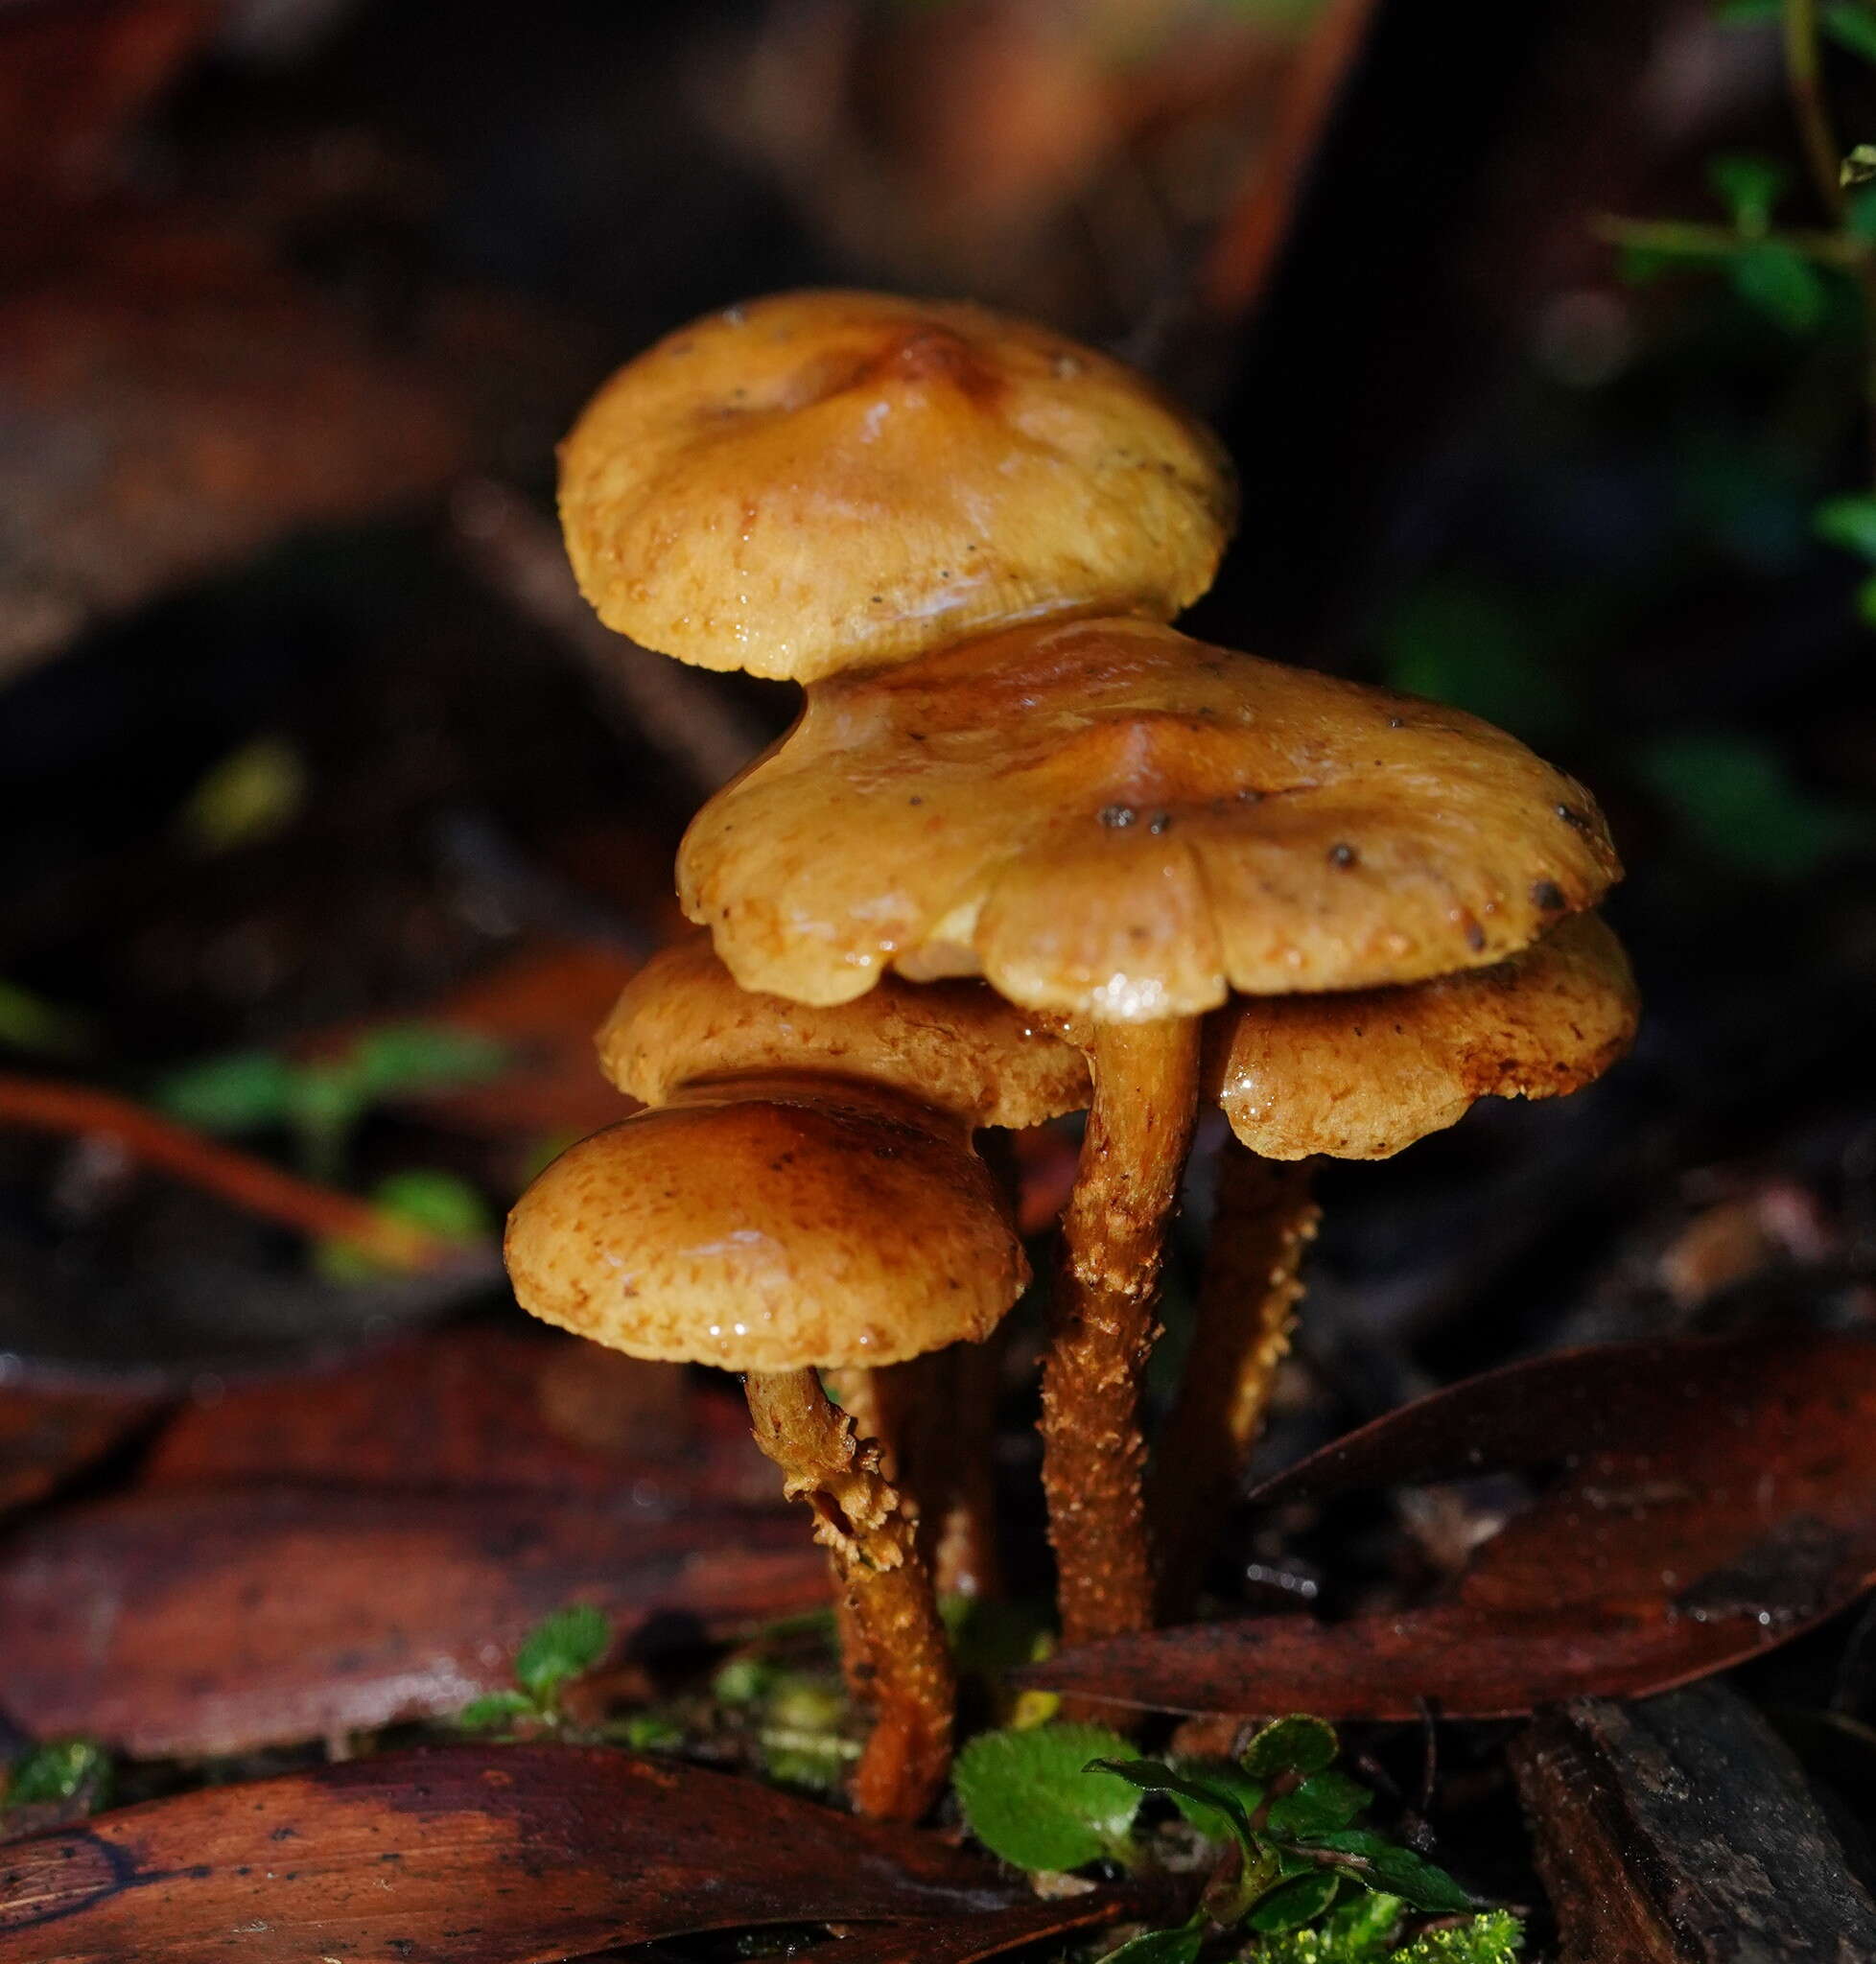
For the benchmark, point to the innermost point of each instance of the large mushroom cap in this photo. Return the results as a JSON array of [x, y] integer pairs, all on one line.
[[1106, 818], [957, 1045], [1363, 1074], [768, 1229], [826, 480]]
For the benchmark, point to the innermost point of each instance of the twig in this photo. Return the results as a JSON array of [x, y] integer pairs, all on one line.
[[46, 1105], [1805, 80], [680, 713], [1693, 239], [1247, 240]]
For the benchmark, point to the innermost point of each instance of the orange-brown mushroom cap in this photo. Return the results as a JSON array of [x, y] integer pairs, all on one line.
[[1107, 818], [769, 1227], [957, 1045], [1361, 1075], [823, 480]]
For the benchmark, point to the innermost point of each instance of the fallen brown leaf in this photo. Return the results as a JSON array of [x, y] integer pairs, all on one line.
[[1718, 1497], [479, 1856], [211, 1620], [481, 1409], [48, 1437]]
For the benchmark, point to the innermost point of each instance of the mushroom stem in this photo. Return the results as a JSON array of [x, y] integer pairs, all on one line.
[[964, 1556], [1264, 1222], [871, 1531], [1140, 1128], [933, 1418]]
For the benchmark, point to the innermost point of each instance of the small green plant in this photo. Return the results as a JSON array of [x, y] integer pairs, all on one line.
[[1365, 1932], [1293, 1865], [556, 1651], [1805, 280], [29, 1022], [441, 1203], [58, 1771], [320, 1103]]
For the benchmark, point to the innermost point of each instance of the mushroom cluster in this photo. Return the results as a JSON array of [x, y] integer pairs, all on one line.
[[1027, 851]]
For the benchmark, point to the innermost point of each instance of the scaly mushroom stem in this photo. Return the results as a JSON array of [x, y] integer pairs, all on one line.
[[857, 1393], [1263, 1225], [1140, 1128], [871, 1531]]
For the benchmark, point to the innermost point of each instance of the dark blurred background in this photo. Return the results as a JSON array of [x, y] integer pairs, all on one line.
[[331, 822]]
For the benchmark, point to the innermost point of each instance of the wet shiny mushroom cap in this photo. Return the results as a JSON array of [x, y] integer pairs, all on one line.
[[766, 1226], [1106, 818], [1363, 1074], [824, 480], [957, 1045]]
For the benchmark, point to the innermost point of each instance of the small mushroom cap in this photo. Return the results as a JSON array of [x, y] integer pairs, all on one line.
[[1108, 819], [824, 480], [957, 1045], [1361, 1075], [768, 1226]]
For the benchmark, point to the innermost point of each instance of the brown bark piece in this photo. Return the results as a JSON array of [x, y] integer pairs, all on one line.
[[1681, 1832]]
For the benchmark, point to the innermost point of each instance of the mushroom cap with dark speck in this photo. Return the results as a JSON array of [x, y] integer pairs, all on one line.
[[823, 480], [1108, 819], [1363, 1074], [958, 1045], [768, 1226]]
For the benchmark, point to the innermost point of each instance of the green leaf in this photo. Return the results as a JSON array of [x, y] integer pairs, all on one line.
[[743, 1680], [1471, 645], [1737, 800], [1296, 1745], [1323, 1802], [1782, 284], [1417, 1881], [1655, 251], [1849, 521], [494, 1710], [1860, 214], [243, 1091], [1160, 1947], [567, 1645], [60, 1770], [1211, 1797], [1747, 12], [1296, 1902], [1399, 1870], [397, 1060], [1857, 168], [1866, 602], [1851, 26], [444, 1203], [324, 1103], [1748, 186], [29, 1022], [252, 794], [1218, 1776], [1030, 1796]]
